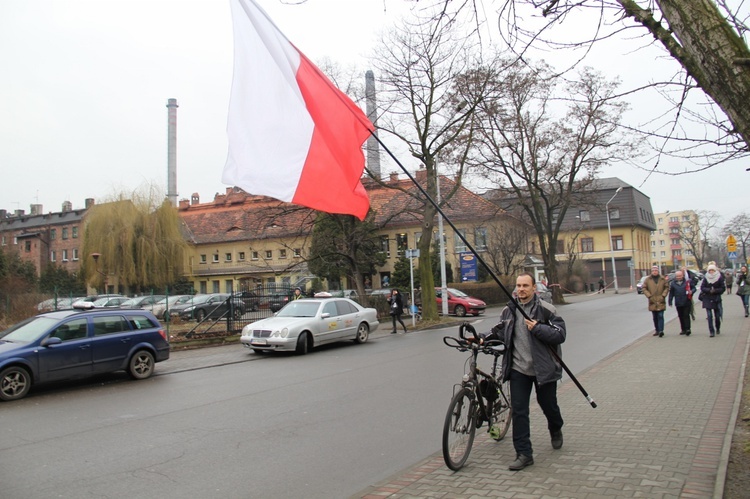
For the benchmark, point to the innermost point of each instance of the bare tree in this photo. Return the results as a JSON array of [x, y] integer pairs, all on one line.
[[542, 163], [704, 37], [423, 108], [506, 247], [696, 234]]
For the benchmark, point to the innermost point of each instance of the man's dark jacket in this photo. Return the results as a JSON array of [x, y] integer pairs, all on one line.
[[550, 330]]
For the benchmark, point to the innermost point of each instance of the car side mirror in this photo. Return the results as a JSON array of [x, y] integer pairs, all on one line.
[[51, 341], [325, 315]]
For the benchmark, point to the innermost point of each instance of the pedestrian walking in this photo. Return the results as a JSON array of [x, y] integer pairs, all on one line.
[[692, 278], [656, 288], [681, 294], [729, 280], [601, 285], [712, 288], [397, 308], [529, 363], [743, 288]]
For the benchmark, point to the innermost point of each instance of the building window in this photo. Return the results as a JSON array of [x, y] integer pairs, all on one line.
[[560, 247], [269, 255], [675, 241], [282, 254], [417, 238], [216, 260], [52, 235], [458, 244], [480, 238], [229, 285], [228, 257], [203, 288], [27, 246], [75, 232], [75, 255], [617, 243], [402, 244], [203, 259], [587, 244], [614, 213], [65, 233], [52, 256], [653, 254], [241, 256], [674, 219], [385, 247], [663, 254], [65, 255], [254, 255], [584, 215], [216, 285], [661, 231], [297, 253]]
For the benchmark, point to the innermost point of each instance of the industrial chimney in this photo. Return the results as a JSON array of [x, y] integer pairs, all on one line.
[[172, 151], [373, 152]]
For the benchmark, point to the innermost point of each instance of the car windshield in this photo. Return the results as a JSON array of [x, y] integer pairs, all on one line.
[[299, 308], [457, 292], [28, 330]]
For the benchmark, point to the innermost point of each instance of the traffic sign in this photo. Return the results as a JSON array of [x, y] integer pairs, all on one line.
[[731, 244], [732, 255]]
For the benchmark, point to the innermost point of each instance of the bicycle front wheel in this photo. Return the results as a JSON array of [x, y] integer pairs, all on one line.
[[459, 429], [501, 413]]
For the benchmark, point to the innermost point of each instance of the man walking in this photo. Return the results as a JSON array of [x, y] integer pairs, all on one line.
[[655, 288], [681, 293], [529, 363]]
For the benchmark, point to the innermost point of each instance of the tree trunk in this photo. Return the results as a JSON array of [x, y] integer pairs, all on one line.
[[427, 281], [708, 48]]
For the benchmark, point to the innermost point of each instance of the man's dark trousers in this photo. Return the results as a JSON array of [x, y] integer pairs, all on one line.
[[520, 395], [683, 313]]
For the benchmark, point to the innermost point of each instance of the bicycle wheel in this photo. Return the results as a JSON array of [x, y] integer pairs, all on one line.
[[500, 418], [459, 429]]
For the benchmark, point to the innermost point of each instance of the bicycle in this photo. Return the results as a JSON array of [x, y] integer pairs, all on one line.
[[479, 398]]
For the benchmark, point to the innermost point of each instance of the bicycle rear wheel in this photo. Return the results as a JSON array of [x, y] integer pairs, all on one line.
[[459, 429], [500, 418]]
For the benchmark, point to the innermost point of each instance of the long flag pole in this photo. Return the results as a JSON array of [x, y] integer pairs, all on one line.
[[481, 260]]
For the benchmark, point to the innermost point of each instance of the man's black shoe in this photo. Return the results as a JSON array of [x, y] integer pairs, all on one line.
[[656, 333], [682, 332], [661, 333], [521, 462], [557, 439]]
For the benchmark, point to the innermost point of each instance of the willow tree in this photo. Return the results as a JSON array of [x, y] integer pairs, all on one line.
[[141, 246]]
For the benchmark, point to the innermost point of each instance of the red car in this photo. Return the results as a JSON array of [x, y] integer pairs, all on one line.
[[459, 303]]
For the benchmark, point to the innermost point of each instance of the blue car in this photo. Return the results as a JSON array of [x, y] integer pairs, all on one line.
[[77, 343]]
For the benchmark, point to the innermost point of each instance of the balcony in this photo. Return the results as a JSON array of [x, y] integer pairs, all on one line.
[[673, 224], [675, 246]]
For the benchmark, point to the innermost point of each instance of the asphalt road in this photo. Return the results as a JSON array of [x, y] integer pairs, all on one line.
[[324, 425]]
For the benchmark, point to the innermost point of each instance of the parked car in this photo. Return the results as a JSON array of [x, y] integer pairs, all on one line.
[[213, 306], [93, 298], [309, 322], [459, 303], [250, 299], [56, 346], [160, 307], [543, 292], [107, 302], [279, 298], [639, 286], [145, 302], [60, 303]]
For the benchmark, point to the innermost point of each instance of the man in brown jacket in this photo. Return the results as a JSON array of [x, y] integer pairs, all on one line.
[[656, 288]]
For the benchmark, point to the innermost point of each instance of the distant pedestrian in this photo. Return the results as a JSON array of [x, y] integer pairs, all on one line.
[[743, 287], [397, 308], [729, 280], [681, 293], [656, 288], [297, 294], [694, 282], [601, 285], [712, 288]]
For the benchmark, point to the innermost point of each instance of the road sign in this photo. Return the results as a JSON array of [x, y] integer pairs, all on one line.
[[731, 244], [732, 255]]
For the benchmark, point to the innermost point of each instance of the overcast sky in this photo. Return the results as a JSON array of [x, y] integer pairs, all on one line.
[[85, 84]]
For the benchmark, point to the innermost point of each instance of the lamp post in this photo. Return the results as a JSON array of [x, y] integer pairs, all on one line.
[[611, 245], [96, 256]]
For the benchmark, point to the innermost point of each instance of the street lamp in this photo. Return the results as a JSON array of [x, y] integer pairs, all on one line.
[[611, 245]]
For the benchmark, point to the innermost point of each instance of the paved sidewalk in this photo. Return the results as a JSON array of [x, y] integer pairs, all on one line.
[[662, 429]]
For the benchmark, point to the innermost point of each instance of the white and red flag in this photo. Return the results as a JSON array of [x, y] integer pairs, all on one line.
[[293, 135]]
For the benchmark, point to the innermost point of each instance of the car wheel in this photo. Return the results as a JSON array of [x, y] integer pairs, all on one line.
[[15, 383], [363, 332], [460, 311], [141, 365], [258, 351], [303, 344], [200, 315]]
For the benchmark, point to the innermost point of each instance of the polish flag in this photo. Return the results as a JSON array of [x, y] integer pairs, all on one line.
[[293, 135]]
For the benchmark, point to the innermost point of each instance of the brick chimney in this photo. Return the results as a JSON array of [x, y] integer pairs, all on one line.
[[89, 203], [421, 175], [394, 178], [195, 198]]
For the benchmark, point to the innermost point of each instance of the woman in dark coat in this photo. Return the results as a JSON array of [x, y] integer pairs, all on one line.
[[680, 293], [397, 308], [712, 288]]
